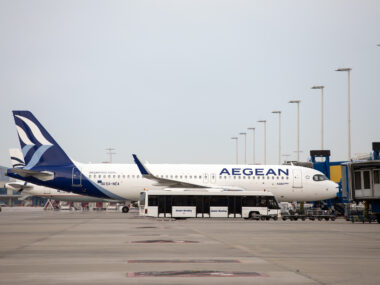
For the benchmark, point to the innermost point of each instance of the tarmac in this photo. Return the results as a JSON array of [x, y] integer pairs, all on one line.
[[57, 247]]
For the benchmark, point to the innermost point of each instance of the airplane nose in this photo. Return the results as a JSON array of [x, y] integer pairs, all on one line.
[[334, 188]]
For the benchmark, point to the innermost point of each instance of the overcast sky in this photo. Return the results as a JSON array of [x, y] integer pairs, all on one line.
[[173, 80]]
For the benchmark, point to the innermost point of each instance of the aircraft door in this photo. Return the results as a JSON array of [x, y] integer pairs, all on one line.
[[297, 178], [76, 177]]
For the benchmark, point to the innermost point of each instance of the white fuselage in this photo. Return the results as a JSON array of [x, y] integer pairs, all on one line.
[[286, 182]]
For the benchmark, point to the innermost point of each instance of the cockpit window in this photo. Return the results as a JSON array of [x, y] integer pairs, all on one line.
[[319, 177]]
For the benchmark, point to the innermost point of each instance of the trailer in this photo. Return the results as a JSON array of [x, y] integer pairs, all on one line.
[[310, 214]]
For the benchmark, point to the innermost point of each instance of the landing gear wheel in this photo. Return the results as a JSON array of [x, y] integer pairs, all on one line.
[[125, 209], [254, 216]]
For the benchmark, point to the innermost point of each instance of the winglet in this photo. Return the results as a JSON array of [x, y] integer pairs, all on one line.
[[141, 167]]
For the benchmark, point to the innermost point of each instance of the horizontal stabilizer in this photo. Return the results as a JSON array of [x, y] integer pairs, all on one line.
[[40, 175], [17, 186]]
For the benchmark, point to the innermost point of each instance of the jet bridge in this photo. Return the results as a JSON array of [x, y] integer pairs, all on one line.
[[361, 181]]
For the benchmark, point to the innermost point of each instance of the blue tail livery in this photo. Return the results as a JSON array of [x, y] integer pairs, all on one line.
[[38, 146], [47, 164]]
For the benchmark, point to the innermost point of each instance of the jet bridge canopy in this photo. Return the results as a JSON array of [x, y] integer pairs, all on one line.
[[361, 180]]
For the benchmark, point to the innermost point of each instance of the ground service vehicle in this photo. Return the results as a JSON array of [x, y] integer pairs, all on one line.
[[218, 203]]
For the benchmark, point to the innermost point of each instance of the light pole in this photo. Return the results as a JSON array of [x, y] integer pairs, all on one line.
[[298, 126], [279, 135], [322, 88], [265, 139], [236, 143], [110, 153], [348, 110], [253, 155], [245, 146]]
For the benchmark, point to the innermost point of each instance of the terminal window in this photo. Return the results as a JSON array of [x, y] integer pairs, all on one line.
[[376, 176], [358, 180], [366, 179]]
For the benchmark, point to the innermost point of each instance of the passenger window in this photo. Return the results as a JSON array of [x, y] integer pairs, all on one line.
[[272, 177], [123, 176], [114, 176], [133, 176], [89, 176], [137, 176], [243, 177], [180, 176]]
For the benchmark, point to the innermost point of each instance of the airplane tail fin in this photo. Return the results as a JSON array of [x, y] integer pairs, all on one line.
[[17, 159], [38, 146]]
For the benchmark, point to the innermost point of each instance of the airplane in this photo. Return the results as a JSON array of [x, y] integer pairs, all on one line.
[[30, 190], [48, 165]]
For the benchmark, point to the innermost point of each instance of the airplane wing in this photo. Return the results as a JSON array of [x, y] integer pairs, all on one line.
[[164, 181], [41, 175], [175, 183]]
